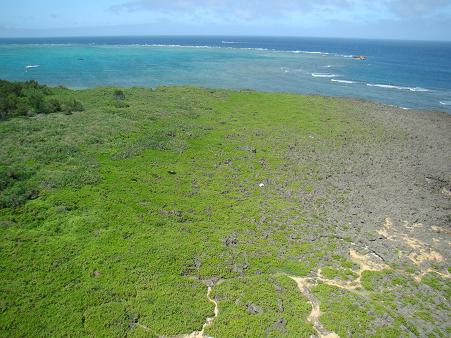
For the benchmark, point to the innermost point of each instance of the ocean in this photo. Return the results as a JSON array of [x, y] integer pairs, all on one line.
[[408, 74]]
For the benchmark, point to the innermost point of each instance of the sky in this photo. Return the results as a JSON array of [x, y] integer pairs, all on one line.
[[385, 19]]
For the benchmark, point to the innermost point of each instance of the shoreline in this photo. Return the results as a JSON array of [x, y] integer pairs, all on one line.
[[263, 64], [239, 90]]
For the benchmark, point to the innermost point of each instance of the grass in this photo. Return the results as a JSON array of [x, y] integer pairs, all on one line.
[[114, 219]]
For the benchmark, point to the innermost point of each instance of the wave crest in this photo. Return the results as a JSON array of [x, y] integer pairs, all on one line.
[[412, 89], [327, 75], [342, 81]]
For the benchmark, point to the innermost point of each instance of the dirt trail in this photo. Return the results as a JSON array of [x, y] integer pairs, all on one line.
[[304, 285], [208, 321], [366, 263]]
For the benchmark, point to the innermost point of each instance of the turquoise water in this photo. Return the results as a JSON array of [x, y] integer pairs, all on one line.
[[406, 74]]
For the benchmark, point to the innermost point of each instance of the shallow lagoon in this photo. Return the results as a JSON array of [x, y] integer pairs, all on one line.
[[406, 74]]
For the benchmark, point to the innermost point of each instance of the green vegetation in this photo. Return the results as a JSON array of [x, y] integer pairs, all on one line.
[[342, 274], [114, 219], [276, 310], [29, 98]]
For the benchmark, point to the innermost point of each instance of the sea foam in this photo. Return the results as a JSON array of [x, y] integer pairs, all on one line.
[[412, 89], [231, 42], [342, 81], [324, 75]]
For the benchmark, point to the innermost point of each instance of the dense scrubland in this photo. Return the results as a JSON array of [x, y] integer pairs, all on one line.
[[29, 98], [188, 211]]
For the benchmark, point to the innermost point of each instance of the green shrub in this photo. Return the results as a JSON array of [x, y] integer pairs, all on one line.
[[15, 186], [52, 106], [17, 194], [72, 105], [35, 99], [119, 94], [120, 104], [25, 98]]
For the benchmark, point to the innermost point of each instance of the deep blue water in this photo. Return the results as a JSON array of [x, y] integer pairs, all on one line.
[[409, 74]]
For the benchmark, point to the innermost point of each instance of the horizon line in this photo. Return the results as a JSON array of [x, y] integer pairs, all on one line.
[[218, 35]]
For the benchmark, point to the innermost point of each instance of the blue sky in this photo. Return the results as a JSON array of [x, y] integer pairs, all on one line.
[[399, 19]]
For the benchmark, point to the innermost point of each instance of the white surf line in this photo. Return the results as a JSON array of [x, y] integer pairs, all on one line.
[[208, 321], [313, 318]]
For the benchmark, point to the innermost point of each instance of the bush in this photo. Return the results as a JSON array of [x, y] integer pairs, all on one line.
[[120, 104], [16, 186], [35, 98], [52, 106], [72, 105], [119, 94], [18, 194], [23, 98]]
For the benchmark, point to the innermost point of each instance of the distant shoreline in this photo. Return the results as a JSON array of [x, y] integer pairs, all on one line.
[[347, 98], [407, 74]]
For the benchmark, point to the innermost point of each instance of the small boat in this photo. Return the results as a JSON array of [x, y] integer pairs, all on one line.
[[31, 66], [359, 57]]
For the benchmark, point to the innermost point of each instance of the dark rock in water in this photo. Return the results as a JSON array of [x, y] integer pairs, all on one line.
[[253, 309], [359, 57]]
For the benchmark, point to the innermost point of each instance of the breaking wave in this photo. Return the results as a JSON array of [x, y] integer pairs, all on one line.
[[327, 75], [342, 81], [412, 89]]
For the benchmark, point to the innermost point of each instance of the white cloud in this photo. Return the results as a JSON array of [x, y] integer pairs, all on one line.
[[418, 8], [254, 9], [232, 8]]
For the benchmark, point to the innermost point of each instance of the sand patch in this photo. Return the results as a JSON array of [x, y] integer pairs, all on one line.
[[366, 262], [446, 192], [409, 226], [387, 229], [441, 230], [419, 252], [423, 273]]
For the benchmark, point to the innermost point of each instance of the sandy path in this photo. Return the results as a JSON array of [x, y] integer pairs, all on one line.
[[208, 321], [313, 318]]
